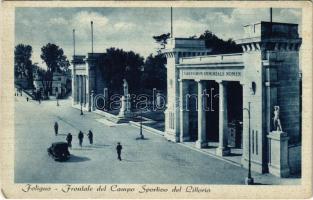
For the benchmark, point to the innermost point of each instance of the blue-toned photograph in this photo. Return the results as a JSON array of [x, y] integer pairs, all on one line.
[[158, 95]]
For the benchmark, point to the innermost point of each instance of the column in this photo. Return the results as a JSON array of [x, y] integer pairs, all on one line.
[[201, 142], [184, 110], [78, 90], [91, 101], [85, 91], [73, 88], [81, 89], [222, 149], [245, 124], [106, 98]]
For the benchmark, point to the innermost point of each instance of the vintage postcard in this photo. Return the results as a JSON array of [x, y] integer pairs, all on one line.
[[156, 99]]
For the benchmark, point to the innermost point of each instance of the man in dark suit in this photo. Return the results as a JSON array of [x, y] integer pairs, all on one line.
[[119, 150], [80, 138]]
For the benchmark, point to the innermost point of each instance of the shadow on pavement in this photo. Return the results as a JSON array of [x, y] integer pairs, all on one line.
[[260, 184], [132, 160], [99, 145], [297, 175], [139, 138], [74, 158], [81, 149], [61, 134], [235, 154]]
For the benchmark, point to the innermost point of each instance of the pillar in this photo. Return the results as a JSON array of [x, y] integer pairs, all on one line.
[[278, 154], [245, 124], [222, 149], [74, 88], [91, 102], [106, 98], [184, 110], [84, 91], [201, 142], [79, 89]]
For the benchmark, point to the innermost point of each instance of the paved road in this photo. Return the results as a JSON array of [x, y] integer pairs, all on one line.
[[154, 160]]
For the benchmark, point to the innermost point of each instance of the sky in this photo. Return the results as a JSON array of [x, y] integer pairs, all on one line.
[[132, 28]]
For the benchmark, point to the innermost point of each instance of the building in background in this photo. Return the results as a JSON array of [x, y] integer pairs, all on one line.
[[61, 83]]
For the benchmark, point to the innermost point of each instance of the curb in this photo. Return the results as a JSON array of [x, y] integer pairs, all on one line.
[[160, 133], [147, 128], [212, 155]]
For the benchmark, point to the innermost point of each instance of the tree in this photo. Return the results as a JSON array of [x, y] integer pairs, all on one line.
[[117, 64], [162, 40], [54, 58], [155, 72], [23, 63], [218, 45], [44, 76]]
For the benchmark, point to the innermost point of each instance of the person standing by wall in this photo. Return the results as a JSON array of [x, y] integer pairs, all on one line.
[[80, 138], [56, 128], [119, 151], [69, 138], [90, 137]]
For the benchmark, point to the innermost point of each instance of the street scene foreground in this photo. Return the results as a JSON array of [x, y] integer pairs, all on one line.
[[152, 160]]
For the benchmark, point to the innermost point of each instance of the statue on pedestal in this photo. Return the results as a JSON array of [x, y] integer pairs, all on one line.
[[125, 87], [125, 104], [278, 164], [276, 122]]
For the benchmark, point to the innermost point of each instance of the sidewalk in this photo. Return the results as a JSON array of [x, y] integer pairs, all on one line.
[[235, 159]]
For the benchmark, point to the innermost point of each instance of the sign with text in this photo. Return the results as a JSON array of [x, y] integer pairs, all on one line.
[[231, 75]]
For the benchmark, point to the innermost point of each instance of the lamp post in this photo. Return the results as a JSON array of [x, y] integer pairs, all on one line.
[[81, 106], [249, 179], [142, 70], [57, 97]]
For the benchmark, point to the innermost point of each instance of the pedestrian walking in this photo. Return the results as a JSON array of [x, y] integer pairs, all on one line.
[[80, 138], [69, 138], [56, 128], [27, 99], [119, 151], [90, 137]]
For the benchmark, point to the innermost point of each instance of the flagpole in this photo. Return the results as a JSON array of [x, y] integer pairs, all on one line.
[[171, 22], [91, 36], [74, 42]]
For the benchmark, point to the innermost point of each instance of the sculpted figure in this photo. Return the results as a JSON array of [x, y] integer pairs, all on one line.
[[277, 124], [125, 86]]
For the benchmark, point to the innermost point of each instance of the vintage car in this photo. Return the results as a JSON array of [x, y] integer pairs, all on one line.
[[59, 151]]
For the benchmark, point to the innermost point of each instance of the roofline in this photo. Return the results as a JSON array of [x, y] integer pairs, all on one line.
[[267, 22]]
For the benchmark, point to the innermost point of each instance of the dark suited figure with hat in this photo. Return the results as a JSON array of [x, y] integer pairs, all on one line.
[[119, 151]]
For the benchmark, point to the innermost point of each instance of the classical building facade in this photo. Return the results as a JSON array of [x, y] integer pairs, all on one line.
[[87, 81], [206, 92]]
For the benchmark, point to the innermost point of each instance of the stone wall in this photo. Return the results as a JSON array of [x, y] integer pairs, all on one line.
[[289, 94], [294, 159]]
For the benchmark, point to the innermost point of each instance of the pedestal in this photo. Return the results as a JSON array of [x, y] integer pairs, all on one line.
[[224, 151], [92, 102], [201, 144], [278, 153], [125, 108]]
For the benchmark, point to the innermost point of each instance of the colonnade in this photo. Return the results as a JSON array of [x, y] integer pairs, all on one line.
[[202, 121], [80, 90]]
